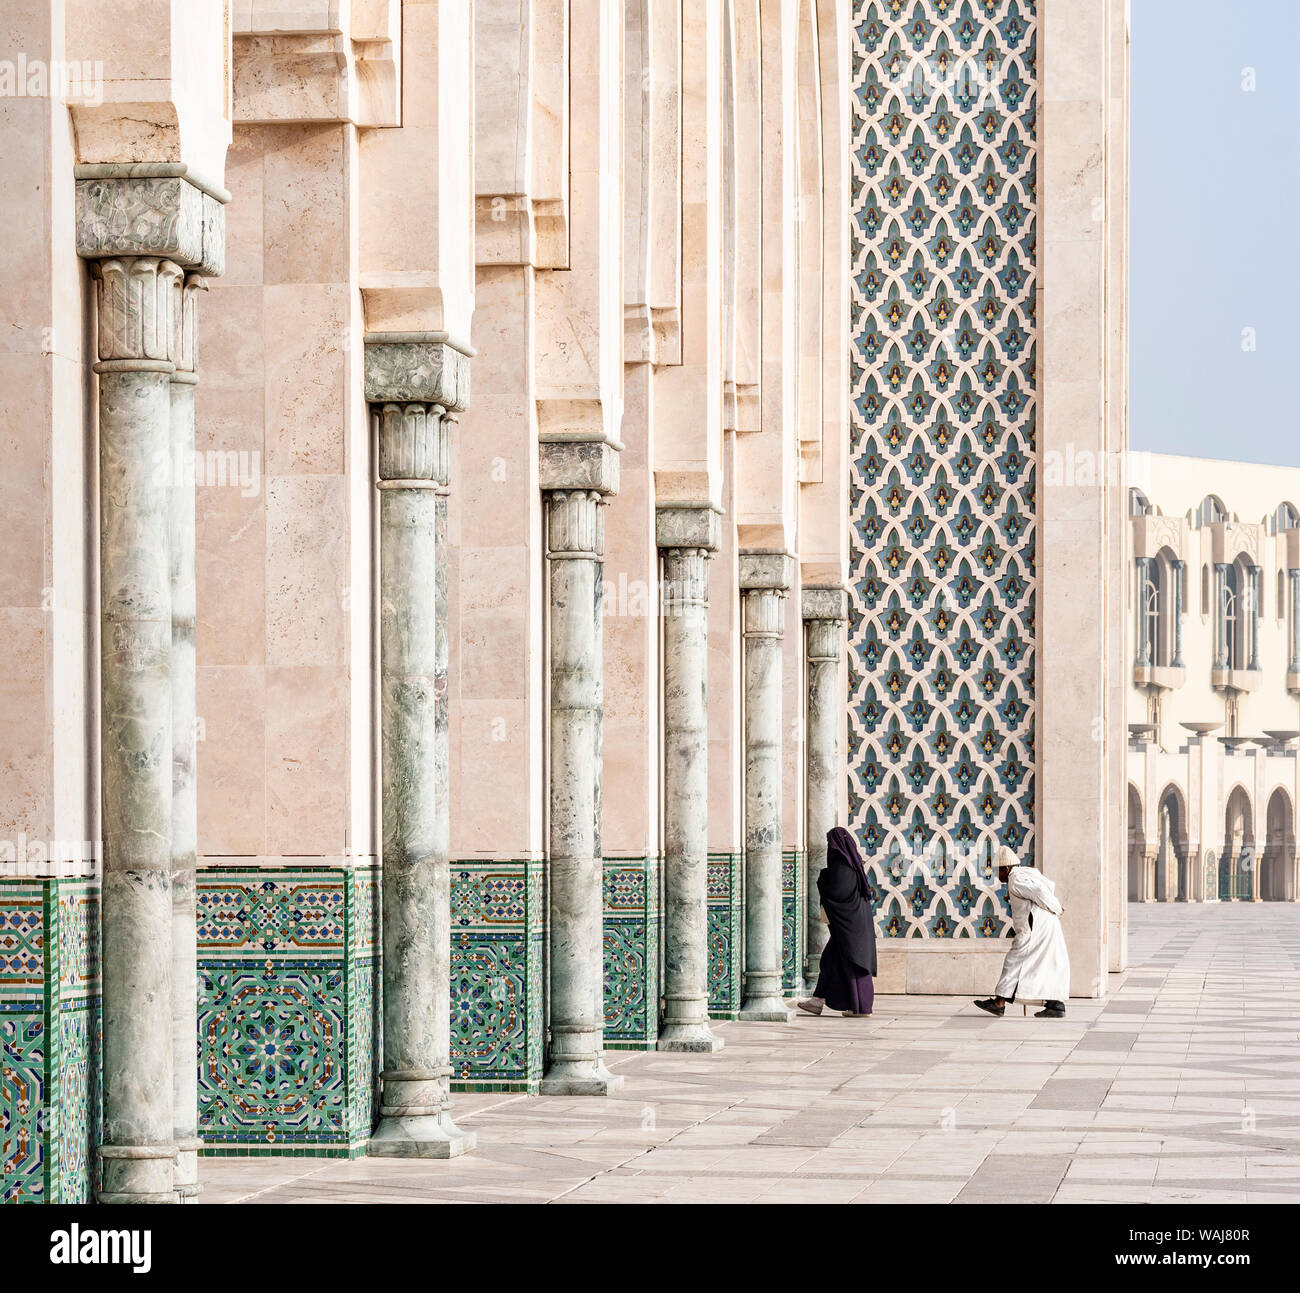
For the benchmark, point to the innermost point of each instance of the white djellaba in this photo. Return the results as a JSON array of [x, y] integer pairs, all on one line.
[[1037, 967]]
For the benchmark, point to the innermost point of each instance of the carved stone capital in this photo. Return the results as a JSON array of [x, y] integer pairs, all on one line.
[[166, 216], [679, 525], [766, 570], [824, 603], [686, 578], [822, 638], [763, 612], [578, 465], [414, 443], [186, 323], [139, 300], [574, 528], [415, 367]]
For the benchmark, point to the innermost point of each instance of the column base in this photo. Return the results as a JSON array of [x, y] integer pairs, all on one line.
[[137, 1174], [424, 1135], [580, 1077], [696, 1038], [187, 1170], [769, 1009], [812, 968]]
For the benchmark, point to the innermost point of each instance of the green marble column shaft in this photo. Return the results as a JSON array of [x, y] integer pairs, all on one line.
[[575, 1063], [687, 538], [415, 1114], [146, 226], [136, 305], [413, 453], [185, 1085], [823, 618], [764, 581]]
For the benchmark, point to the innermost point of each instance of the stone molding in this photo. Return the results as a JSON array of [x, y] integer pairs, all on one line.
[[167, 216], [824, 603], [766, 570], [684, 525], [417, 368]]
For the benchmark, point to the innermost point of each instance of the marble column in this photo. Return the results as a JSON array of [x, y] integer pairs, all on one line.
[[143, 226], [765, 578], [412, 381], [1178, 568], [1143, 625], [576, 476], [824, 613], [687, 537], [1220, 618], [1150, 860], [185, 832], [1256, 606]]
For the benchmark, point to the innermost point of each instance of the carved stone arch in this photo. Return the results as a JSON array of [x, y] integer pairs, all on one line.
[[1173, 875], [1237, 859], [1278, 856], [1139, 890]]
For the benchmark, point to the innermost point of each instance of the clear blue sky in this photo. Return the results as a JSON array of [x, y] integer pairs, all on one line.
[[1215, 227]]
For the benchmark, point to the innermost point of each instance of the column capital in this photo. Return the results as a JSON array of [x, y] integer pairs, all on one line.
[[573, 525], [414, 444], [578, 465], [687, 525], [766, 570], [827, 603], [121, 211], [139, 303], [416, 368]]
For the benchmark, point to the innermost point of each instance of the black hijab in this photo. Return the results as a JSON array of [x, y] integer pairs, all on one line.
[[846, 899]]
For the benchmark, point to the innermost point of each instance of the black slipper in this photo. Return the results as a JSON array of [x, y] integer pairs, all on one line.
[[991, 1005], [1049, 1014]]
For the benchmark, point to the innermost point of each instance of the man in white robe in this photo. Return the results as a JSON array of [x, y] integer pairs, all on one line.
[[1037, 967]]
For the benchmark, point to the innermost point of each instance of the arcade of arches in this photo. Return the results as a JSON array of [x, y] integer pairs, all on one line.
[[487, 485]]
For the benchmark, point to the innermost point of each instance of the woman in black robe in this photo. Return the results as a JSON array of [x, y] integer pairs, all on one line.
[[849, 959]]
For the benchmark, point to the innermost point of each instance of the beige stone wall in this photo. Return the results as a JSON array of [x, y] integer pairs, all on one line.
[[283, 560]]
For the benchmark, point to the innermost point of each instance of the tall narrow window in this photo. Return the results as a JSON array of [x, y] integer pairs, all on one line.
[[1151, 609], [1232, 618]]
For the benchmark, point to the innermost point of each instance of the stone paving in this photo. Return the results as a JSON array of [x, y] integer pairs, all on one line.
[[1183, 1085]]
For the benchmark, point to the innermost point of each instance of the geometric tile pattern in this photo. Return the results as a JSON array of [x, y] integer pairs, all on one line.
[[289, 1032], [497, 975], [632, 953], [794, 927], [726, 916], [942, 475], [50, 1104]]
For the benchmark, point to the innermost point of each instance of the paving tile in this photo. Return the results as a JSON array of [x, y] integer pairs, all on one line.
[[1180, 1087]]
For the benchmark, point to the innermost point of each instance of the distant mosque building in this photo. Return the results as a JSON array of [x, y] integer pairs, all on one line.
[[1214, 713]]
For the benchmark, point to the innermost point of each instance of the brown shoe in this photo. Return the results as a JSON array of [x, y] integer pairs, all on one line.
[[810, 1006]]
